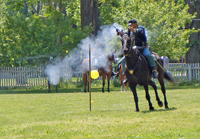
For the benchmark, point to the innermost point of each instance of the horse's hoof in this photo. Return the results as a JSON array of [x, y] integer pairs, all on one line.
[[160, 103], [151, 108], [136, 110], [166, 107]]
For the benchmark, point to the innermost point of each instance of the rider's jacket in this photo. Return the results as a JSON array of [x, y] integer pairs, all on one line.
[[139, 37]]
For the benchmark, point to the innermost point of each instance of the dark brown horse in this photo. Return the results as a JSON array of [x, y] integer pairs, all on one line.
[[104, 69], [138, 72]]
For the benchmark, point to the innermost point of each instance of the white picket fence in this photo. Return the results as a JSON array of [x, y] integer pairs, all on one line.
[[183, 72], [12, 77]]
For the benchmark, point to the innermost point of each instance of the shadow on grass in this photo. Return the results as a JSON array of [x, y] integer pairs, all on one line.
[[45, 91], [149, 111]]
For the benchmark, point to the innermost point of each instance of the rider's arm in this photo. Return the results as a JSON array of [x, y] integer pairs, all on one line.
[[138, 30]]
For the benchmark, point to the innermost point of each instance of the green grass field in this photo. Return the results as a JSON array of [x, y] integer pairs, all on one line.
[[38, 114]]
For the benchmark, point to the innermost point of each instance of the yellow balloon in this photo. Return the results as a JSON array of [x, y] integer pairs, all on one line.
[[94, 74]]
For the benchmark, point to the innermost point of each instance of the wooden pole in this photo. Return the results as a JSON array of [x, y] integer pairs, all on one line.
[[89, 77]]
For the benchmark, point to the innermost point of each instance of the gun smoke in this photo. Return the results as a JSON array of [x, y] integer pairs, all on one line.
[[105, 43]]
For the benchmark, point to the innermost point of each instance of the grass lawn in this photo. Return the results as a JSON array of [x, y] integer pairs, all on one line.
[[38, 114]]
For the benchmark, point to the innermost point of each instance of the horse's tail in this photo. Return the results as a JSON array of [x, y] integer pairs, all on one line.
[[168, 76]]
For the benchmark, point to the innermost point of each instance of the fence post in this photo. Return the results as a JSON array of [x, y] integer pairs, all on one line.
[[189, 73]]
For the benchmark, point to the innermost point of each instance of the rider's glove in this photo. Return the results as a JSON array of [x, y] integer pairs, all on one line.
[[134, 47]]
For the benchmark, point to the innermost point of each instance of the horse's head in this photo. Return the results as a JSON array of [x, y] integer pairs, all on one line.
[[126, 43], [112, 57]]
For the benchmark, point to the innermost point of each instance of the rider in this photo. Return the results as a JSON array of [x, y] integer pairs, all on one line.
[[140, 39]]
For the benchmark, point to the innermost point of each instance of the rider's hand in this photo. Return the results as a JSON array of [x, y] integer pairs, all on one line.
[[132, 29], [118, 32], [134, 47]]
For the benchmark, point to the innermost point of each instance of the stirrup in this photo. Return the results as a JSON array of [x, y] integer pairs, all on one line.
[[113, 74]]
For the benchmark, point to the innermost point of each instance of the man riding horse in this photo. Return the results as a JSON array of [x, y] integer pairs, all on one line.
[[139, 40]]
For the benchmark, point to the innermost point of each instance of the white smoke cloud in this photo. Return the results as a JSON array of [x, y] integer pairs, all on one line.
[[103, 44]]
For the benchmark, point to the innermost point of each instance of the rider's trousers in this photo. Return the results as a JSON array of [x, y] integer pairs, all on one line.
[[149, 57]]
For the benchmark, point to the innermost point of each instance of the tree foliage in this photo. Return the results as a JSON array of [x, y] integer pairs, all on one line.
[[34, 36], [164, 21], [31, 31]]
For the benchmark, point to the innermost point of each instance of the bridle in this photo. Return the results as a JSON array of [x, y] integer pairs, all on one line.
[[126, 46]]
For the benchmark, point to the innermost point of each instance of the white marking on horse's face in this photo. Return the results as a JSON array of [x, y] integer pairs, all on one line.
[[125, 39]]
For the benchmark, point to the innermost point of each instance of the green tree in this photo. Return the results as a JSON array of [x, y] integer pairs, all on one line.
[[162, 19], [31, 36], [31, 31]]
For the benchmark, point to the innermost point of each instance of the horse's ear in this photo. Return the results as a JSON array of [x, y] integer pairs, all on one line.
[[129, 32]]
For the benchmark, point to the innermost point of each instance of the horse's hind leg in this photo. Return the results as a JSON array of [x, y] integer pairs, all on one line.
[[148, 97], [125, 87], [161, 81], [152, 83], [88, 85], [85, 81]]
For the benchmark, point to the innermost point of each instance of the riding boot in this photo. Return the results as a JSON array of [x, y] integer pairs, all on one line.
[[113, 74], [125, 81], [155, 74], [117, 73]]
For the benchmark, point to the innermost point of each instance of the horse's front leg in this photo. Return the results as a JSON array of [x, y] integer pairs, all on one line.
[[152, 84], [49, 87], [56, 88], [148, 97], [108, 79], [103, 80], [133, 89]]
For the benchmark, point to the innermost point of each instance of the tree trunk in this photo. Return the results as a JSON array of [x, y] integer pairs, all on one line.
[[193, 55], [26, 7], [38, 7], [90, 14]]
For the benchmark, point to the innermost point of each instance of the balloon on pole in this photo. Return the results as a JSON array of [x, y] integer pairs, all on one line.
[[94, 74]]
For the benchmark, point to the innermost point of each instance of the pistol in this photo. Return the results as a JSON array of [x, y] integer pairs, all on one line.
[[117, 30]]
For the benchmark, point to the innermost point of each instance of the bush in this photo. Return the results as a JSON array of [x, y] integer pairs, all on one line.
[[116, 83], [187, 83]]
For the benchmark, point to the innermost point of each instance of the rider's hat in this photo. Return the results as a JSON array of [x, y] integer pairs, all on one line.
[[132, 21]]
